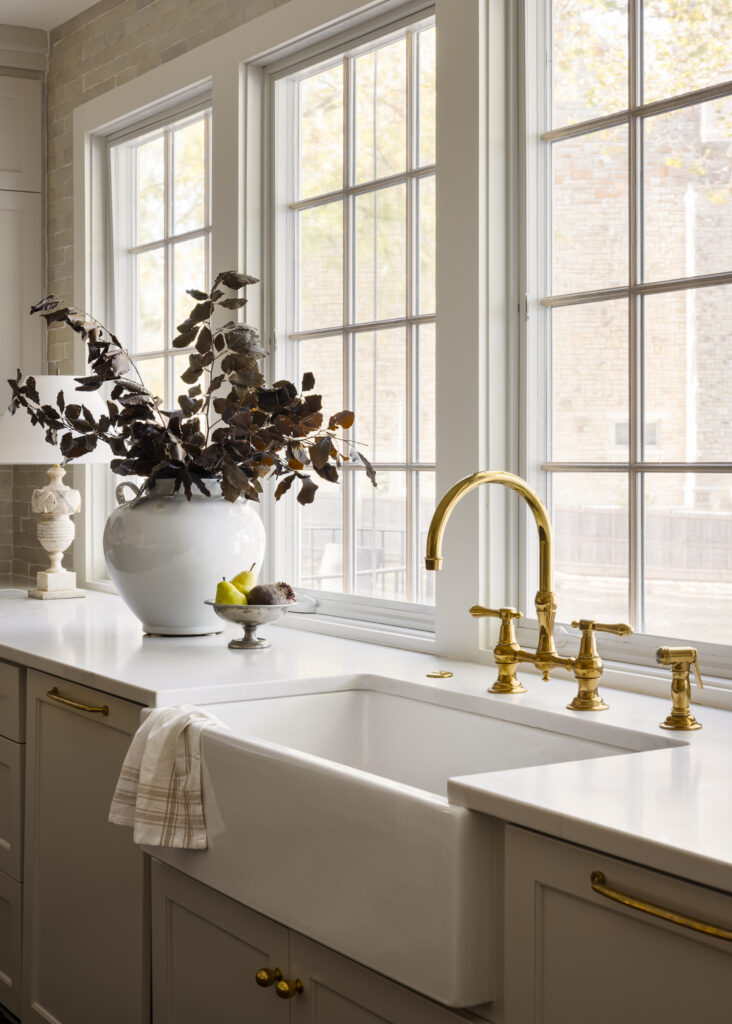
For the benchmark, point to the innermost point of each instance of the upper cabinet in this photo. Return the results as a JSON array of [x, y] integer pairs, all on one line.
[[21, 127]]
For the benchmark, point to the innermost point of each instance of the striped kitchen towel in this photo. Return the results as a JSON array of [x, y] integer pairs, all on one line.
[[159, 788]]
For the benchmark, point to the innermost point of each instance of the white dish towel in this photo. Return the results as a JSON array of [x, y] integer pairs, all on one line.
[[159, 788]]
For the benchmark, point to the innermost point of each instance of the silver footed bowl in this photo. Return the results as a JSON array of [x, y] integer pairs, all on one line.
[[250, 616]]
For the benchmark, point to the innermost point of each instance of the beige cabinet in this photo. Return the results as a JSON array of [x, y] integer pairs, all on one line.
[[21, 126], [575, 952], [207, 950], [85, 952], [12, 760]]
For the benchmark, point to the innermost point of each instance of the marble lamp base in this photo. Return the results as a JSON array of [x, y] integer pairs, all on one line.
[[55, 504]]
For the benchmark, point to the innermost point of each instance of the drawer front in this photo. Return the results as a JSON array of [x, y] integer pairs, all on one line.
[[11, 808], [12, 702], [10, 936]]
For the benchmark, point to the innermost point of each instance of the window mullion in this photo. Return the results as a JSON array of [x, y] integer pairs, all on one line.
[[348, 482]]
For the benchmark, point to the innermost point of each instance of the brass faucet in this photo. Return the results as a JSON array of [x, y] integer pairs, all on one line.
[[545, 601], [680, 659], [508, 654]]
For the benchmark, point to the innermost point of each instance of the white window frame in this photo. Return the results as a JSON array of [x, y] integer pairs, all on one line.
[[409, 615], [534, 227]]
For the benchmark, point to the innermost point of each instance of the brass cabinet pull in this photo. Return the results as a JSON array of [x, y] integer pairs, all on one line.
[[599, 885], [103, 709], [286, 988], [268, 976]]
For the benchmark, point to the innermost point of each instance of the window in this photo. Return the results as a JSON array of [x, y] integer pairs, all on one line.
[[161, 230], [636, 298], [356, 287]]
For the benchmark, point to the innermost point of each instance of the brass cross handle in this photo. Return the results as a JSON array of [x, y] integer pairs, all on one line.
[[504, 614], [589, 626]]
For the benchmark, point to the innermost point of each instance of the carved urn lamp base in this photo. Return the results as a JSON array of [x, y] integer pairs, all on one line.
[[55, 504]]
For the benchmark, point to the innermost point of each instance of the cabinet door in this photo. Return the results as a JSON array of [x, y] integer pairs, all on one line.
[[207, 950], [338, 991], [573, 954], [10, 937], [21, 277], [85, 957], [11, 807], [21, 124]]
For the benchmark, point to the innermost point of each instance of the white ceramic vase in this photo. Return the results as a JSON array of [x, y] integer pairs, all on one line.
[[166, 554]]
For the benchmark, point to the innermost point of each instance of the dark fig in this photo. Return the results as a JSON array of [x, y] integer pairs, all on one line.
[[271, 593]]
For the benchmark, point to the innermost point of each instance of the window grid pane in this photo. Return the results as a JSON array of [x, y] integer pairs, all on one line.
[[170, 243], [670, 433], [365, 258]]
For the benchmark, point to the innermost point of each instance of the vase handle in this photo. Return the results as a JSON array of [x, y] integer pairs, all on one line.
[[119, 491]]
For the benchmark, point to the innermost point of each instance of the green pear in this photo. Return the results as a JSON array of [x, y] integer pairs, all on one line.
[[227, 593], [246, 580]]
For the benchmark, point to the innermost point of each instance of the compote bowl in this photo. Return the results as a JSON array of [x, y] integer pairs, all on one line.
[[250, 616]]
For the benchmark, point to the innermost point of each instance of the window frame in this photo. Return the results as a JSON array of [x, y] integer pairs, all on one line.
[[534, 114], [281, 115]]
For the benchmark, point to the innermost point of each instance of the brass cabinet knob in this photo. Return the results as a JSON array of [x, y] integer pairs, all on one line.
[[268, 976], [287, 988]]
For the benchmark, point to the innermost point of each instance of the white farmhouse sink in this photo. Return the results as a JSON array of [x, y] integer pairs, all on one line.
[[327, 812]]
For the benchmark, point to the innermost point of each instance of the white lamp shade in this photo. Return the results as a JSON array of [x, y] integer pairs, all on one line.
[[23, 444]]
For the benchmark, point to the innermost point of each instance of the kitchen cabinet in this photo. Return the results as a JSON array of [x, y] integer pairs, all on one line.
[[85, 951], [12, 760], [574, 953], [207, 950], [21, 223]]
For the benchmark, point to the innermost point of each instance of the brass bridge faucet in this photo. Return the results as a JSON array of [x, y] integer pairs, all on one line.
[[680, 659], [545, 601], [508, 654]]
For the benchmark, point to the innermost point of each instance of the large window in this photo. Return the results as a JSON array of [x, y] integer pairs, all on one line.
[[355, 159], [633, 334], [161, 233]]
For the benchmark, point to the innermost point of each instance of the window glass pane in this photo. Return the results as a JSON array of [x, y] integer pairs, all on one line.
[[189, 177], [688, 556], [426, 96], [590, 382], [688, 191], [150, 306], [321, 539], [688, 375], [321, 132], [381, 254], [426, 502], [381, 536], [381, 395], [321, 266], [590, 211], [590, 59], [150, 191], [323, 357], [189, 271], [426, 400], [590, 516], [686, 46], [152, 372], [380, 96], [426, 245]]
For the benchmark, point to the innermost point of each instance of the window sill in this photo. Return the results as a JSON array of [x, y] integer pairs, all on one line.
[[369, 632]]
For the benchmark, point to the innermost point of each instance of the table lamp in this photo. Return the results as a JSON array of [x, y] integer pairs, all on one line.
[[24, 444]]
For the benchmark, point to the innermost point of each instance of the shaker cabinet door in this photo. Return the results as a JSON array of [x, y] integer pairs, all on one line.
[[207, 951], [21, 127], [85, 954], [21, 283], [574, 953], [338, 991]]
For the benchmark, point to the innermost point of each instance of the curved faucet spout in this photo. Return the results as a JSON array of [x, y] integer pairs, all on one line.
[[546, 603]]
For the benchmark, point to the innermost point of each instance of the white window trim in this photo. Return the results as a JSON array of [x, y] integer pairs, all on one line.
[[533, 227], [405, 615], [479, 213]]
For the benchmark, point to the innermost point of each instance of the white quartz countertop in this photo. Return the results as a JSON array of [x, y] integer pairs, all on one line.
[[668, 808]]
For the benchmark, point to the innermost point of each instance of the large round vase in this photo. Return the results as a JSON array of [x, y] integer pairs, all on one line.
[[166, 554]]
